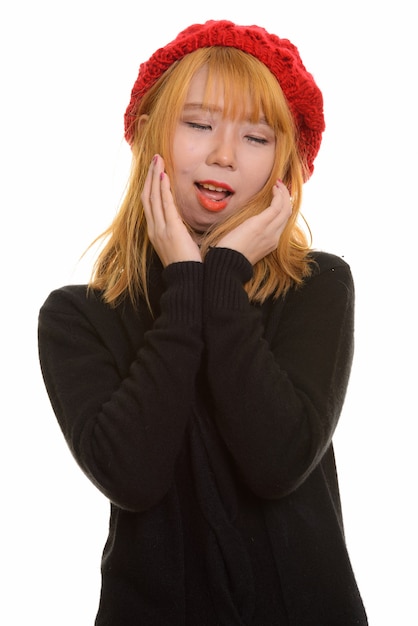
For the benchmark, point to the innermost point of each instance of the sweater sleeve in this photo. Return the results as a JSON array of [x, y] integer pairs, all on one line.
[[124, 428], [277, 402]]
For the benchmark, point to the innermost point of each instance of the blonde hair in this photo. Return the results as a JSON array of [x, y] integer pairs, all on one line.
[[122, 266]]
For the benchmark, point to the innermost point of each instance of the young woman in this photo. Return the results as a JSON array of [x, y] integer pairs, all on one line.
[[199, 377]]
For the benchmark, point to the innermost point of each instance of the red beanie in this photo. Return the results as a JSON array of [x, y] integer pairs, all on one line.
[[279, 55]]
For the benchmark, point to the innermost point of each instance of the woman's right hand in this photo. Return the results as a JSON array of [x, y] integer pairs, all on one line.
[[166, 229]]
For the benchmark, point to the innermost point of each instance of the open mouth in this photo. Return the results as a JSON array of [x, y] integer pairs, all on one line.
[[212, 196]]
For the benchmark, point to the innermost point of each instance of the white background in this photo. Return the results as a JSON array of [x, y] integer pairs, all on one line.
[[67, 70]]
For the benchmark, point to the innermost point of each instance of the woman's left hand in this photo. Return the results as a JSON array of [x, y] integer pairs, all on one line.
[[260, 234]]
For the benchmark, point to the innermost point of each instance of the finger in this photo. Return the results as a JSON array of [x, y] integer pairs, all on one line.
[[280, 191], [281, 205], [155, 212], [167, 200], [146, 191], [155, 192]]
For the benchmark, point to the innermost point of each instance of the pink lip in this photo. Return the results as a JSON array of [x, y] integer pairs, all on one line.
[[209, 203], [215, 183]]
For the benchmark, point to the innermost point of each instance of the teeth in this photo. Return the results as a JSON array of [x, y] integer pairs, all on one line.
[[212, 187]]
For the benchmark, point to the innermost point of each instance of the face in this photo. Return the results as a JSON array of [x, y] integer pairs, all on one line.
[[219, 163]]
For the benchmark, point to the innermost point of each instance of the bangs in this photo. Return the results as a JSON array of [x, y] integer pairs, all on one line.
[[232, 74]]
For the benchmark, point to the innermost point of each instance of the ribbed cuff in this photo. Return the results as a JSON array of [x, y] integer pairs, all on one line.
[[181, 302], [226, 272]]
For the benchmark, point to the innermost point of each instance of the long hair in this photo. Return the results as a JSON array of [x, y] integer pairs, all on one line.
[[121, 268]]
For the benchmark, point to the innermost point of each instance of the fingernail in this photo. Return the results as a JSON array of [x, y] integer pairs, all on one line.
[[161, 175], [154, 158], [279, 182]]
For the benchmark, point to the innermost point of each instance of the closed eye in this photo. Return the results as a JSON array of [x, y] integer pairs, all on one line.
[[260, 140], [198, 126]]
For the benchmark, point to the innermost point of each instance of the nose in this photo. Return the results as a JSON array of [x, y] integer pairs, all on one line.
[[222, 151]]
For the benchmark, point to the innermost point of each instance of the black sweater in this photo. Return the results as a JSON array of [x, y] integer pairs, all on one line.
[[209, 429]]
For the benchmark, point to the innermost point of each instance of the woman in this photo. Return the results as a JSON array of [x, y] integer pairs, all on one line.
[[199, 377]]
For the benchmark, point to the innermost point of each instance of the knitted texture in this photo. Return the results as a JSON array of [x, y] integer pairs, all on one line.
[[303, 96]]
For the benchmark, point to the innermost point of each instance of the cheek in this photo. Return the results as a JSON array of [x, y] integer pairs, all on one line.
[[181, 160], [259, 175], [185, 161], [264, 168]]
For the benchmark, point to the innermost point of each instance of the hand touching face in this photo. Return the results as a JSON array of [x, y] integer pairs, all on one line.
[[166, 229], [260, 234], [254, 238]]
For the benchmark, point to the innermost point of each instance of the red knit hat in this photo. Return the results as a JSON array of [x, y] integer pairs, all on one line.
[[279, 55]]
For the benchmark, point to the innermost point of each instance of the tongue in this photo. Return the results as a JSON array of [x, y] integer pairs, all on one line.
[[212, 200]]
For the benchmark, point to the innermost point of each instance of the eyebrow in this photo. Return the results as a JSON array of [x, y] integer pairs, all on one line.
[[189, 106], [198, 106]]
